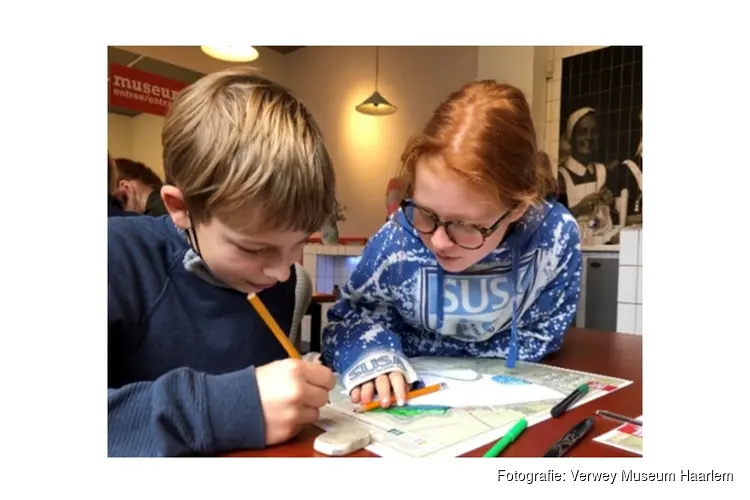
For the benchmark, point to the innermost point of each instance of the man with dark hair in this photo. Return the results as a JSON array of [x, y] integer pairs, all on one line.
[[115, 208], [138, 188]]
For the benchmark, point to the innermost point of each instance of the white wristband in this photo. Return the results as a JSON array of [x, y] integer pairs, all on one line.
[[374, 364]]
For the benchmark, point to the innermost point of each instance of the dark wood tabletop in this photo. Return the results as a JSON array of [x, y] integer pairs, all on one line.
[[322, 298], [604, 353]]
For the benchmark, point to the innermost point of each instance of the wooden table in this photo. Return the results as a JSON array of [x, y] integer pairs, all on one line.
[[605, 353]]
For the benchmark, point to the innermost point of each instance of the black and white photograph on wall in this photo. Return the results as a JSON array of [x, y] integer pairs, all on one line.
[[600, 158]]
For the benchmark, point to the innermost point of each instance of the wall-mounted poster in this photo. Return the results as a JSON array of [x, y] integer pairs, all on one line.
[[600, 159]]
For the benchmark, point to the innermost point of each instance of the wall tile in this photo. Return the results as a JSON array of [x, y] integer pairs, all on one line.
[[639, 288], [629, 242], [626, 319], [627, 282], [639, 319]]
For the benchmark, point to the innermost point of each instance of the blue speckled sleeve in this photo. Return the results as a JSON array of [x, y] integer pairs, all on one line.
[[361, 340]]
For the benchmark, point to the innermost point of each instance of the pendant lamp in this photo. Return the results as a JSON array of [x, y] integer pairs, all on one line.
[[376, 104], [231, 53]]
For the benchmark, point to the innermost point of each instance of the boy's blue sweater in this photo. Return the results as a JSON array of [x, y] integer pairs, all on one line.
[[182, 350], [515, 303]]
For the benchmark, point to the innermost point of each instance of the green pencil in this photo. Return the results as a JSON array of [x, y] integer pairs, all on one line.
[[511, 436]]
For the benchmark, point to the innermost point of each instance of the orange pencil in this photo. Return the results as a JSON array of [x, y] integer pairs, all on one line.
[[409, 395], [275, 328]]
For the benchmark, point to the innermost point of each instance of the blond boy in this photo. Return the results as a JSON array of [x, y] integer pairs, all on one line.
[[192, 368]]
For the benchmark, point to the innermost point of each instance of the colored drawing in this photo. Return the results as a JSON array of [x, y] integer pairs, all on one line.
[[507, 379], [411, 411], [458, 423]]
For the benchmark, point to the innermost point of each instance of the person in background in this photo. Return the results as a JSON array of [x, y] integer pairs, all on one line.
[[114, 207], [139, 188], [629, 192], [475, 263], [582, 179], [192, 368]]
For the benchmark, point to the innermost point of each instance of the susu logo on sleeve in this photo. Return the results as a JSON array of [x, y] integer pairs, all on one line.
[[372, 365]]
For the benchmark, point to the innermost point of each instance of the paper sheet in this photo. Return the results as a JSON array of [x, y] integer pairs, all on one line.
[[626, 437], [421, 430], [482, 390]]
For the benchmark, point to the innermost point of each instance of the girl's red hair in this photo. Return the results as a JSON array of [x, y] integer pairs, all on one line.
[[484, 133]]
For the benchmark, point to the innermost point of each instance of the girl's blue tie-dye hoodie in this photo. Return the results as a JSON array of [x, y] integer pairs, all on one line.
[[516, 303]]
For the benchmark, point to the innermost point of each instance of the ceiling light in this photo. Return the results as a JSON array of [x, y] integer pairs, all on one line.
[[376, 104], [232, 53]]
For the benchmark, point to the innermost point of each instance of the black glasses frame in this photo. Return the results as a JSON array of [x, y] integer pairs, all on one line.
[[486, 232]]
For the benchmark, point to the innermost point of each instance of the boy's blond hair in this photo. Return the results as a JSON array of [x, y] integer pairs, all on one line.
[[236, 143]]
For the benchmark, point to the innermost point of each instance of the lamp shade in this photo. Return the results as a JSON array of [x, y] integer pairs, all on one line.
[[232, 53], [376, 105]]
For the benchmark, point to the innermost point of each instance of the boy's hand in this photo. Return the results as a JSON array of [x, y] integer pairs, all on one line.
[[395, 380], [291, 393]]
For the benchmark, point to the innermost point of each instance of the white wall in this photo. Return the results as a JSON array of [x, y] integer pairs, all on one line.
[[137, 138], [119, 135], [523, 67], [366, 150], [146, 148]]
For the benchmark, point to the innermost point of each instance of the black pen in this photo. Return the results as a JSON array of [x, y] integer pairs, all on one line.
[[618, 418], [571, 438], [569, 401]]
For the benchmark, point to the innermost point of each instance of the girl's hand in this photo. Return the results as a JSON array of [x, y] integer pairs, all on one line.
[[383, 385]]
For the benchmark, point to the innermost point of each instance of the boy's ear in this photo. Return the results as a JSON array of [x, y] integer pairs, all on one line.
[[175, 204]]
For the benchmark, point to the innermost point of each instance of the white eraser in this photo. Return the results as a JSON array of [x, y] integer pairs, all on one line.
[[339, 442]]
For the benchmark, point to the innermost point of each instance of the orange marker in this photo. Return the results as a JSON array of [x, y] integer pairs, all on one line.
[[409, 395]]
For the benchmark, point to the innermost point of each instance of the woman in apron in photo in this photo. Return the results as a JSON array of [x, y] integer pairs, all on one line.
[[582, 179], [629, 200]]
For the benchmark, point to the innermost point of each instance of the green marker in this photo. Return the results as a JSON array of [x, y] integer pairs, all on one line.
[[511, 436]]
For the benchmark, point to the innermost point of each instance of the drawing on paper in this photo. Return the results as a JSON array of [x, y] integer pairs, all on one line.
[[483, 400], [507, 379], [412, 412]]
